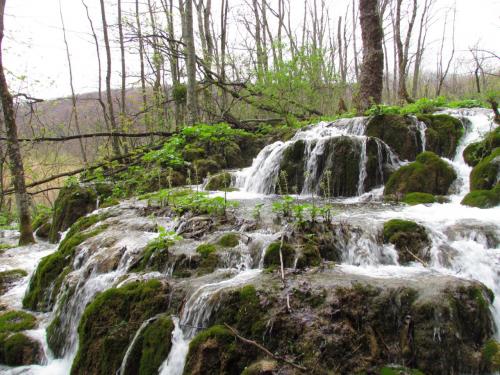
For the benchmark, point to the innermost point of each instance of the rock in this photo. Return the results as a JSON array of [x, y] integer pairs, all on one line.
[[72, 203], [229, 240], [262, 367], [272, 255], [418, 198], [491, 355], [309, 257], [428, 174], [110, 322], [202, 168], [8, 278], [291, 175], [20, 350], [43, 230], [409, 238], [15, 321], [475, 152], [443, 134], [483, 198], [486, 174], [399, 132], [221, 181]]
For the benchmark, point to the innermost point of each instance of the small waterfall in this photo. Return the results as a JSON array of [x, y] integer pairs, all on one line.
[[363, 159], [422, 127]]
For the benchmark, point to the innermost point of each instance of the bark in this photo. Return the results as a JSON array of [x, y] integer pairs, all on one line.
[[157, 66], [354, 26], [422, 34], [402, 50], [123, 114], [372, 70], [147, 121], [223, 42], [14, 150], [190, 54], [258, 41], [112, 119], [73, 96]]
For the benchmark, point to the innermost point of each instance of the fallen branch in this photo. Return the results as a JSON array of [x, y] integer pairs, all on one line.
[[92, 135], [262, 348]]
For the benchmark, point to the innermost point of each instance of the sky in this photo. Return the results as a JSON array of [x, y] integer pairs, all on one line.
[[35, 53]]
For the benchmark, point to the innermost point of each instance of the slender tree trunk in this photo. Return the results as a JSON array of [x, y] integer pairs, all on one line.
[[354, 26], [14, 150], [112, 119], [147, 122], [372, 70], [403, 50], [157, 66], [223, 42], [73, 96], [123, 112], [190, 53]]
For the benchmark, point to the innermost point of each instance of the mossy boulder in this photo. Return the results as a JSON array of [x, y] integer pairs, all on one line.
[[309, 256], [19, 350], [110, 322], [221, 181], [49, 275], [15, 321], [418, 198], [483, 198], [8, 278], [262, 367], [73, 202], [486, 174], [151, 347], [477, 151], [409, 238], [202, 168], [206, 249], [491, 355], [443, 134], [292, 168], [399, 132], [428, 174], [216, 351], [229, 240], [272, 255]]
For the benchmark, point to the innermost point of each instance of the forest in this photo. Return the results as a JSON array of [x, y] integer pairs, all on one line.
[[249, 187]]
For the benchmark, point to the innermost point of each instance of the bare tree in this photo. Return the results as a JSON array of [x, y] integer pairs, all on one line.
[[140, 39], [123, 108], [421, 43], [372, 69], [442, 71], [13, 149], [403, 49], [190, 55]]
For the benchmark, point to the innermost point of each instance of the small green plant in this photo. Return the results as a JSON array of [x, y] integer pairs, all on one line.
[[256, 211], [284, 206]]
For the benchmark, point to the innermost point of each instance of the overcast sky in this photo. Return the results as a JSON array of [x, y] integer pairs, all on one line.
[[34, 46]]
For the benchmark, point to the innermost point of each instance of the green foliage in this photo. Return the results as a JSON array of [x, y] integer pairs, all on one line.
[[15, 321], [206, 249], [272, 255], [301, 213], [156, 250], [395, 226], [40, 215], [484, 174], [8, 220], [483, 198], [218, 332], [229, 240], [179, 93], [418, 198]]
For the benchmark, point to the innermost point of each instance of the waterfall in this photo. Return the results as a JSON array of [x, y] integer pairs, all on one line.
[[363, 158], [422, 127]]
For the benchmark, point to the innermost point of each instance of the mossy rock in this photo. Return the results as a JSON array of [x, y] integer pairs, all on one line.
[[19, 350], [229, 240], [151, 347], [399, 132], [206, 249], [418, 198], [49, 275], [272, 255], [262, 367], [221, 181], [15, 321], [486, 174], [216, 351], [309, 257], [477, 151], [43, 230], [110, 322], [8, 278], [72, 203], [491, 355], [202, 168], [399, 370], [291, 173], [154, 257], [428, 174], [409, 238], [208, 264], [483, 198], [443, 134]]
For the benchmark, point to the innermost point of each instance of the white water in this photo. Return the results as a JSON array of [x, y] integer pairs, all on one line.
[[471, 256]]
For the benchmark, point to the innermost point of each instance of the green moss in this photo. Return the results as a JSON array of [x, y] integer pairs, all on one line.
[[392, 227], [7, 278], [49, 275], [229, 240], [272, 255], [15, 321], [310, 256], [110, 322], [398, 370], [154, 256], [475, 152], [208, 264], [261, 367], [41, 216], [292, 167], [428, 174], [218, 332], [206, 249], [203, 167], [483, 198], [156, 345], [443, 134], [484, 174], [409, 238], [221, 181], [19, 350], [418, 198], [491, 355]]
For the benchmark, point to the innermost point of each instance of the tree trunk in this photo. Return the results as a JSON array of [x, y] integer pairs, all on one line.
[[123, 112], [190, 53], [14, 150], [372, 69], [112, 119], [402, 50], [147, 122]]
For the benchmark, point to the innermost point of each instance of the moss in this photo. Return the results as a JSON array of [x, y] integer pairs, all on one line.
[[443, 134], [310, 256], [483, 198], [109, 202], [475, 152], [272, 255], [491, 355], [428, 174], [110, 322], [208, 264], [418, 198], [49, 275], [263, 367], [484, 174], [43, 215], [221, 181], [203, 167], [19, 350], [15, 321], [155, 257], [218, 332], [409, 239], [398, 370], [292, 167], [206, 249], [72, 203], [229, 240], [7, 278]]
